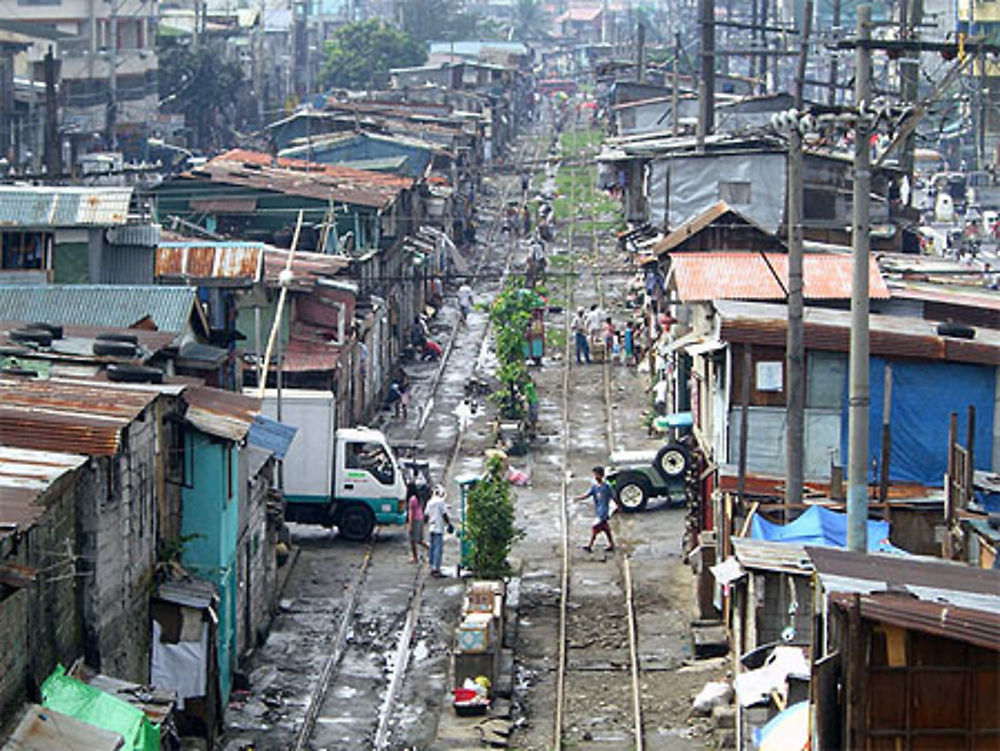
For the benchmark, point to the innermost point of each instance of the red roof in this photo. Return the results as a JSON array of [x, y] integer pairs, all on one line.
[[764, 276], [334, 170]]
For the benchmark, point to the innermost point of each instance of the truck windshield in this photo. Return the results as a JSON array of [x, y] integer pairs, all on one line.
[[373, 458]]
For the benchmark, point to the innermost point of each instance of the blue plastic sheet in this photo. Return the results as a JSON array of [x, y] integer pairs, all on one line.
[[923, 396], [821, 526]]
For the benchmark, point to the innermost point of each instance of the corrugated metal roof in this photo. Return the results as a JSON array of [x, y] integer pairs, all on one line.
[[843, 570], [44, 729], [76, 416], [272, 435], [100, 305], [307, 268], [978, 627], [300, 178], [190, 594], [220, 413], [892, 336], [30, 206], [772, 556], [764, 276], [77, 344], [24, 476]]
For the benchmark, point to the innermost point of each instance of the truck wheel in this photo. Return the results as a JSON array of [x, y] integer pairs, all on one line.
[[356, 523], [672, 460], [633, 492]]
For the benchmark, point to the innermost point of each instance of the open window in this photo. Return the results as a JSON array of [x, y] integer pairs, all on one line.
[[26, 251], [373, 458]]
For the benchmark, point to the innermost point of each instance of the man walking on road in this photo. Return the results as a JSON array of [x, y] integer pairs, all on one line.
[[465, 299], [602, 494], [437, 521], [579, 326]]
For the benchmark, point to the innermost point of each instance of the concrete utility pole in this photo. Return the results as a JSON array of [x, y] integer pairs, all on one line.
[[640, 34], [53, 147], [111, 118], [675, 95], [859, 398], [833, 92], [909, 73], [706, 86]]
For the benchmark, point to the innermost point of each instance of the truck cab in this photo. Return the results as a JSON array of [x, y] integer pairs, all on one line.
[[343, 477]]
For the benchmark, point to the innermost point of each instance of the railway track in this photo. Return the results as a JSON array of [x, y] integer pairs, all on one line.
[[334, 717], [604, 659]]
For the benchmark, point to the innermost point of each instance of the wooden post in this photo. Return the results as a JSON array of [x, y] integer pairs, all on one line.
[[744, 420], [949, 497], [970, 446], [883, 484]]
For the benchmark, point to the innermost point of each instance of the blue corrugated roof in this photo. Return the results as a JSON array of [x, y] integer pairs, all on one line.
[[111, 305], [272, 435]]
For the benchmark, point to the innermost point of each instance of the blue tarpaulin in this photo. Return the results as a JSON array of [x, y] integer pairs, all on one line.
[[821, 526], [923, 396]]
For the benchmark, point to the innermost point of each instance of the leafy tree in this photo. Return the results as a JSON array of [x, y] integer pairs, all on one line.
[[360, 55], [437, 20], [527, 18], [206, 88], [510, 314], [489, 523]]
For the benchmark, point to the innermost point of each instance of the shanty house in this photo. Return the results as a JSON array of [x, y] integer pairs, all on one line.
[[214, 475], [906, 654], [908, 353], [39, 605], [122, 498], [72, 235]]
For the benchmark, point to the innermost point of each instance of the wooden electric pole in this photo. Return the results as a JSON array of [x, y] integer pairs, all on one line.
[[706, 85]]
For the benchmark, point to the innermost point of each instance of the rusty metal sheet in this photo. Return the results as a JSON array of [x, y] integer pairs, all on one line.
[[978, 627], [207, 262], [59, 206], [67, 416], [892, 336], [764, 276], [220, 413]]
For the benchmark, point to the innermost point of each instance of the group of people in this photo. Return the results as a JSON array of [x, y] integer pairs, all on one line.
[[433, 515], [621, 345]]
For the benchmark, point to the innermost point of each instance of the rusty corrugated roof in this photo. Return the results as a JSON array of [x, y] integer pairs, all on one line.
[[220, 413], [893, 336], [60, 206], [300, 178], [941, 619], [734, 275], [64, 415], [24, 476], [306, 267], [200, 262]]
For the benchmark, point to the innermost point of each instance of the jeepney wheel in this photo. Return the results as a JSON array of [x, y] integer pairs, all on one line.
[[672, 460], [356, 523], [633, 492]]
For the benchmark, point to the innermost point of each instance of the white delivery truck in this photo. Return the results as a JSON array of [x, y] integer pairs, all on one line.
[[343, 477]]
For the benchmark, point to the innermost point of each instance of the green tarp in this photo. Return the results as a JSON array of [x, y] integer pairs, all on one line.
[[95, 707]]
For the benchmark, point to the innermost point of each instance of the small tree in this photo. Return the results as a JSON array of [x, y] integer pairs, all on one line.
[[510, 315], [489, 523]]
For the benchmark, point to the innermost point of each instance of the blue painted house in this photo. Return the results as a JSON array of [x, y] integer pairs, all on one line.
[[216, 426]]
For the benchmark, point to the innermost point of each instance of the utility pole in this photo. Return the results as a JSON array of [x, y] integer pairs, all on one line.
[[111, 118], [833, 92], [909, 70], [795, 407], [640, 34], [53, 148], [706, 86], [675, 95], [859, 397]]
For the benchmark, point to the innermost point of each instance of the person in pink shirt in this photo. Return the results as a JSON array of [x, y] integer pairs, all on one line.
[[414, 520]]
